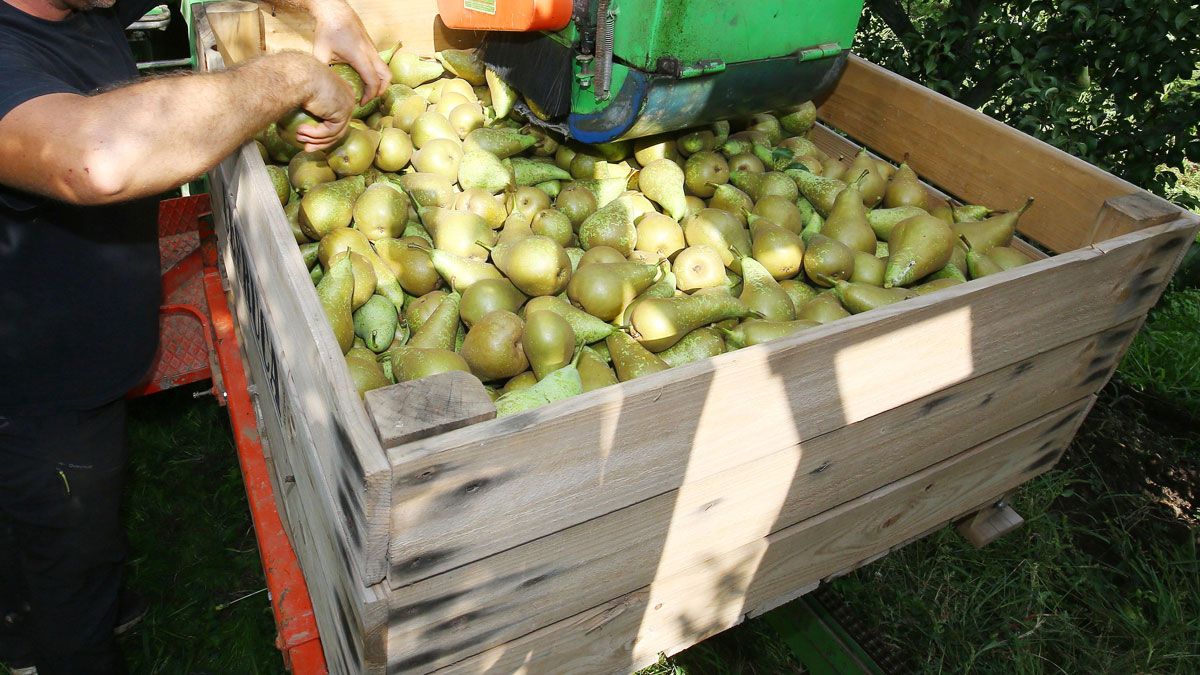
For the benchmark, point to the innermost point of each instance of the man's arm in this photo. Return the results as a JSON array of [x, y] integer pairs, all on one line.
[[153, 135], [339, 35]]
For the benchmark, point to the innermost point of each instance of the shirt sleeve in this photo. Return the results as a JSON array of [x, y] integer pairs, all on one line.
[[21, 82]]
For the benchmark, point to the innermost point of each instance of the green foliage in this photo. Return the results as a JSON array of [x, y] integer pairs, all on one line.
[[1111, 81], [1165, 356]]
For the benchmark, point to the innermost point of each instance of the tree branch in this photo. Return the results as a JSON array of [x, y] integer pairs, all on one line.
[[896, 17]]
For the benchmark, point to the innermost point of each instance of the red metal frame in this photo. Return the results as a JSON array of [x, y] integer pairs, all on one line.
[[298, 638]]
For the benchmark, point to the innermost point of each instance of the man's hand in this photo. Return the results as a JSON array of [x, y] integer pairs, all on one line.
[[339, 36], [331, 101]]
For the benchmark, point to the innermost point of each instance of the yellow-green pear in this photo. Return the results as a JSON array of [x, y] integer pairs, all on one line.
[[328, 206], [548, 341], [860, 298], [537, 265], [483, 204], [827, 261], [587, 328], [720, 230], [659, 323], [604, 290], [697, 345], [307, 170], [492, 348], [335, 292], [762, 294], [780, 250], [824, 308], [917, 248], [820, 191], [662, 182], [660, 234], [395, 149], [413, 363], [487, 295], [753, 332], [412, 70], [847, 221], [984, 235], [613, 224], [905, 189], [483, 170], [630, 359], [355, 153]]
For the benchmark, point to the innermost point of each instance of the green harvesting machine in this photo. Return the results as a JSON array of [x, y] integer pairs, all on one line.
[[621, 69]]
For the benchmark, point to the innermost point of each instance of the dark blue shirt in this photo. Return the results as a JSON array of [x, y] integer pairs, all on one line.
[[79, 286]]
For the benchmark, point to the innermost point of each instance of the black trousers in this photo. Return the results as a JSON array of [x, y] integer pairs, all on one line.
[[61, 542]]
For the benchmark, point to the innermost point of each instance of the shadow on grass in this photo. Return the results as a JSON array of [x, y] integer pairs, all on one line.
[[192, 545]]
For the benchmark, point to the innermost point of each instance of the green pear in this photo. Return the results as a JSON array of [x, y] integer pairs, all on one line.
[[984, 235], [662, 182], [981, 266], [503, 96], [942, 209], [548, 341], [533, 171], [405, 110], [746, 162], [600, 254], [464, 63], [1007, 257], [594, 370], [376, 322], [882, 221], [364, 278], [802, 147], [466, 118], [382, 277], [799, 292], [412, 70], [577, 203], [461, 233], [412, 267], [308, 252], [762, 294], [693, 142], [613, 224], [291, 122], [307, 170], [605, 289], [781, 211], [431, 126], [279, 181], [556, 386], [355, 153], [605, 190], [483, 204], [439, 156], [516, 227], [868, 269], [703, 172], [720, 230], [587, 328], [523, 381], [860, 298], [537, 265], [415, 363], [905, 189], [820, 191], [660, 234], [800, 119], [872, 184], [365, 371], [950, 271], [728, 198], [658, 323], [458, 271], [759, 185], [969, 213], [526, 201], [381, 211], [328, 206], [483, 170], [812, 227], [487, 295], [697, 345], [649, 148], [492, 347], [428, 189], [881, 249], [934, 286], [278, 149], [755, 331], [335, 292], [917, 248], [395, 150], [417, 312], [847, 221], [630, 359], [780, 250], [556, 225], [827, 261], [438, 331], [823, 309]]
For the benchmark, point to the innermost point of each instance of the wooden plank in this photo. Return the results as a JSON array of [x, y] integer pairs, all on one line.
[[675, 612], [972, 156], [414, 24], [409, 411], [489, 602], [1129, 213], [237, 28], [619, 445]]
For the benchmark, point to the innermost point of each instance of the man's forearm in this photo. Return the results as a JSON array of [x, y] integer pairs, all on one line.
[[147, 137]]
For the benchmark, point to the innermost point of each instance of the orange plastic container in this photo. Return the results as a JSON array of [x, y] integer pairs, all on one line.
[[509, 15]]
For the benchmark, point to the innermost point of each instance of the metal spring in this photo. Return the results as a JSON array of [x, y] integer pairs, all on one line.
[[604, 49]]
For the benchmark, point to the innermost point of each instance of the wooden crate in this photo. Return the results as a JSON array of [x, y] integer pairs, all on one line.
[[596, 533]]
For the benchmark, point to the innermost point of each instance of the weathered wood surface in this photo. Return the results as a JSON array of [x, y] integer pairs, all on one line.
[[972, 156], [674, 612], [489, 602], [409, 411], [990, 523], [1129, 213], [415, 25], [456, 499], [237, 29]]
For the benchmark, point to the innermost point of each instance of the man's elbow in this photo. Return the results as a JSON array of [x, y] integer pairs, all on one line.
[[96, 181]]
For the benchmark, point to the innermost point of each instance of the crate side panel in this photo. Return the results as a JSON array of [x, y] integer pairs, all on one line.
[[629, 632], [497, 599], [457, 499]]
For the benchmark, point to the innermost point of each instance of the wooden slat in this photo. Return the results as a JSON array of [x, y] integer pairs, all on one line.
[[1122, 215], [409, 411], [677, 611], [237, 28], [486, 603], [414, 24], [619, 445], [972, 156]]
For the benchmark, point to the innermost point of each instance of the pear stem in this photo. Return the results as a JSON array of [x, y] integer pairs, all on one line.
[[1028, 203], [420, 247]]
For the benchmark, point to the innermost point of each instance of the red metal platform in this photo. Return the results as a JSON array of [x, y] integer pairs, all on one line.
[[198, 341]]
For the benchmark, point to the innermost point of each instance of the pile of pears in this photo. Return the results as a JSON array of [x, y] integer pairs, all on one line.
[[444, 232]]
